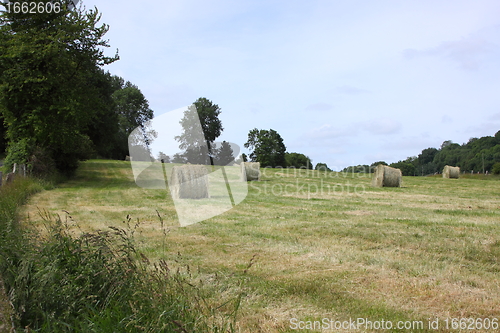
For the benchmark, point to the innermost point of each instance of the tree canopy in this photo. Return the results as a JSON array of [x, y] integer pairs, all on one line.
[[297, 160], [477, 155], [268, 148], [50, 80], [322, 167], [198, 144], [57, 104]]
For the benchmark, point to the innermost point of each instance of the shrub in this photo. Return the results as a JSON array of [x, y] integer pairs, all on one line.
[[496, 168], [17, 152]]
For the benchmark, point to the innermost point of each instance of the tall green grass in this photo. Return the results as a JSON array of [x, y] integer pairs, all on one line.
[[99, 282]]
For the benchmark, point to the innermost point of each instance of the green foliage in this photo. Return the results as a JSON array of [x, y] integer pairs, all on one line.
[[18, 152], [322, 167], [268, 148], [132, 111], [375, 164], [357, 169], [209, 119], [48, 66], [224, 154], [478, 154], [496, 169], [407, 168], [3, 139], [299, 161], [427, 156], [197, 149]]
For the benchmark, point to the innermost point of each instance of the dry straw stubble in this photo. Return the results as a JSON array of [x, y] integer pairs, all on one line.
[[189, 182], [385, 176], [451, 172], [250, 171]]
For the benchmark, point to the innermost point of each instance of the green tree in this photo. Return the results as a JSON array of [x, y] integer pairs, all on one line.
[[296, 160], [407, 168], [48, 66], [132, 111], [375, 164], [103, 128], [448, 155], [268, 148], [223, 153], [496, 168], [322, 167], [427, 155], [164, 158], [364, 168], [3, 139], [198, 149]]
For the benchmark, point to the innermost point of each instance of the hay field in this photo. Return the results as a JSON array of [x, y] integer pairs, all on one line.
[[325, 245]]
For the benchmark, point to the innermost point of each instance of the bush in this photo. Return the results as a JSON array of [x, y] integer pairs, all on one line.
[[17, 152], [496, 168]]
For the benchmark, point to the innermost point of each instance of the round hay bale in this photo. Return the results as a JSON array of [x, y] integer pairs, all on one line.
[[250, 171], [189, 182], [385, 176], [451, 172]]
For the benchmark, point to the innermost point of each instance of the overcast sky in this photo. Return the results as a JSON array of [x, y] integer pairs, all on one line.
[[343, 82]]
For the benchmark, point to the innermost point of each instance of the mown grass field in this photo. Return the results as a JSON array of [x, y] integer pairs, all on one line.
[[323, 245]]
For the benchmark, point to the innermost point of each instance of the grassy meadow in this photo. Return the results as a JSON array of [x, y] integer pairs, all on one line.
[[310, 245]]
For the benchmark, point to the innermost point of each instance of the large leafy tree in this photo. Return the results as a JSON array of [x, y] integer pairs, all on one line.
[[49, 66], [199, 147], [322, 167], [133, 111], [297, 160], [268, 148]]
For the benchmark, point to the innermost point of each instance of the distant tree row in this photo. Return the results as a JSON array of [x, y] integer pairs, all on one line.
[[477, 155], [268, 148], [57, 104]]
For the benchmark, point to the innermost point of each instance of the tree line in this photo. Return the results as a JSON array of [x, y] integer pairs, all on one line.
[[57, 104], [477, 155], [267, 146]]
